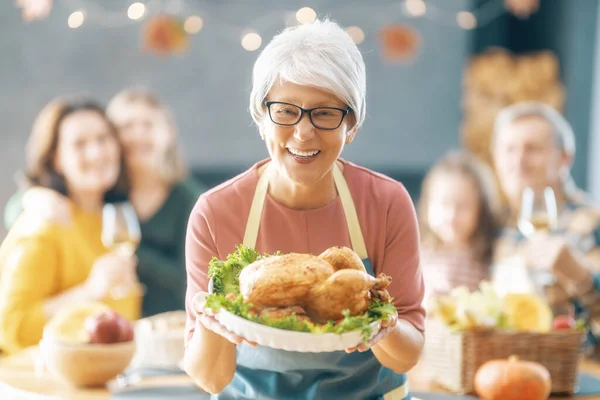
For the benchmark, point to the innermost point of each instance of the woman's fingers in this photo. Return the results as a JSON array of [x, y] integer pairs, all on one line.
[[213, 325]]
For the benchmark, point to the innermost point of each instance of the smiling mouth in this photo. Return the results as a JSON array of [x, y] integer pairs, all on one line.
[[307, 155]]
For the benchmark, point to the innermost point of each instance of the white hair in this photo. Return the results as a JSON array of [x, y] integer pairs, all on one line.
[[561, 129], [319, 54]]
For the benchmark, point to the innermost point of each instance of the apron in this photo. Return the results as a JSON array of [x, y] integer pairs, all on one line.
[[266, 373]]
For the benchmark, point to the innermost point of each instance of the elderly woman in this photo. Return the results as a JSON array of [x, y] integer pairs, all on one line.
[[533, 147], [308, 101]]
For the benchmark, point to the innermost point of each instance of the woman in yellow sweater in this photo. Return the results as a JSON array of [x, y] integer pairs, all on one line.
[[73, 149]]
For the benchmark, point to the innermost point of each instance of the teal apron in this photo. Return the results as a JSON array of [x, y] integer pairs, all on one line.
[[266, 373]]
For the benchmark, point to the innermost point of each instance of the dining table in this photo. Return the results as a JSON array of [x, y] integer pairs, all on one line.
[[22, 376]]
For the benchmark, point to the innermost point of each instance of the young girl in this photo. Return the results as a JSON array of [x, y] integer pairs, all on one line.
[[458, 223]]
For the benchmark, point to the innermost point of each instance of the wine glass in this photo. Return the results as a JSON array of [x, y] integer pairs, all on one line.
[[121, 233], [538, 214], [120, 228]]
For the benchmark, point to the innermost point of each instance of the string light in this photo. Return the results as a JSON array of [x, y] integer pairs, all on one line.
[[466, 20], [416, 8], [96, 12], [186, 11], [136, 11], [357, 34], [306, 15], [193, 24], [76, 19], [251, 41]]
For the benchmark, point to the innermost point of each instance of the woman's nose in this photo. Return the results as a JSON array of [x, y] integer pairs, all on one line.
[[95, 151], [450, 214], [304, 130]]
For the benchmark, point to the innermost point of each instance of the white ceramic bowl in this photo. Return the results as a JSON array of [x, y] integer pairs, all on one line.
[[160, 340], [289, 340]]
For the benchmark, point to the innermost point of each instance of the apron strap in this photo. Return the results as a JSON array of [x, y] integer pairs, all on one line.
[[356, 236], [258, 202], [260, 194]]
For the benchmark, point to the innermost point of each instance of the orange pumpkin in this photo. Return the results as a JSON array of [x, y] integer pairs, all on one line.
[[512, 379]]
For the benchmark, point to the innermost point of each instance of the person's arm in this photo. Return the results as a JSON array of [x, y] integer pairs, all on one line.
[[13, 208], [170, 269], [44, 203], [210, 359], [578, 274], [27, 290], [574, 272], [401, 349]]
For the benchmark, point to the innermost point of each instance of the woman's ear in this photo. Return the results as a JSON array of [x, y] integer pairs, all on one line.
[[566, 160], [351, 134], [261, 131]]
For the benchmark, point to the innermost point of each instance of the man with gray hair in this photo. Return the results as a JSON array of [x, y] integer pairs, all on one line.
[[533, 148]]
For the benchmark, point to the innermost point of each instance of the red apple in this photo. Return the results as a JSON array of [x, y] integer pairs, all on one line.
[[103, 328], [126, 330], [563, 322]]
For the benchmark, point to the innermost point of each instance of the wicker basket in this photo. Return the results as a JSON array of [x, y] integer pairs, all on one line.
[[454, 357]]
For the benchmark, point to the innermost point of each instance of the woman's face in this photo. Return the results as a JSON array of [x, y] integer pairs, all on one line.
[[145, 134], [88, 154], [526, 155], [453, 208], [303, 153]]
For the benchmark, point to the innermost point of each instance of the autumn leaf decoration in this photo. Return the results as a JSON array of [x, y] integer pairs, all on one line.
[[399, 43], [164, 34], [522, 8]]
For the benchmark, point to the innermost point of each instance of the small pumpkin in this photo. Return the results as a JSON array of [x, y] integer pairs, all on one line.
[[512, 379]]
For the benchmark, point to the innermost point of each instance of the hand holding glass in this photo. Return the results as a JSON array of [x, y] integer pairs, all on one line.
[[538, 211], [121, 233], [538, 215]]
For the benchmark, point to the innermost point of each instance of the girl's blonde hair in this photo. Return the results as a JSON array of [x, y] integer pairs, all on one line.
[[173, 168], [466, 165]]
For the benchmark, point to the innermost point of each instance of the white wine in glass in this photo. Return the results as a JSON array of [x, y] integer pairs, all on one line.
[[538, 212], [120, 232], [120, 228]]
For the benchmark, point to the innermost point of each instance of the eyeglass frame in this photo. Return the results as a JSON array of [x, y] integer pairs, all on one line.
[[307, 111]]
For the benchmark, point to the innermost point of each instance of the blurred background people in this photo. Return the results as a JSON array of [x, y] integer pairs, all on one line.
[[551, 241], [73, 150], [161, 192]]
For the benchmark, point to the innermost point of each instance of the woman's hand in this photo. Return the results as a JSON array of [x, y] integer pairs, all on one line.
[[205, 317], [112, 270], [386, 328], [47, 204]]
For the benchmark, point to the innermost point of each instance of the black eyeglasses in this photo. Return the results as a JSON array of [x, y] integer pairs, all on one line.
[[286, 114]]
